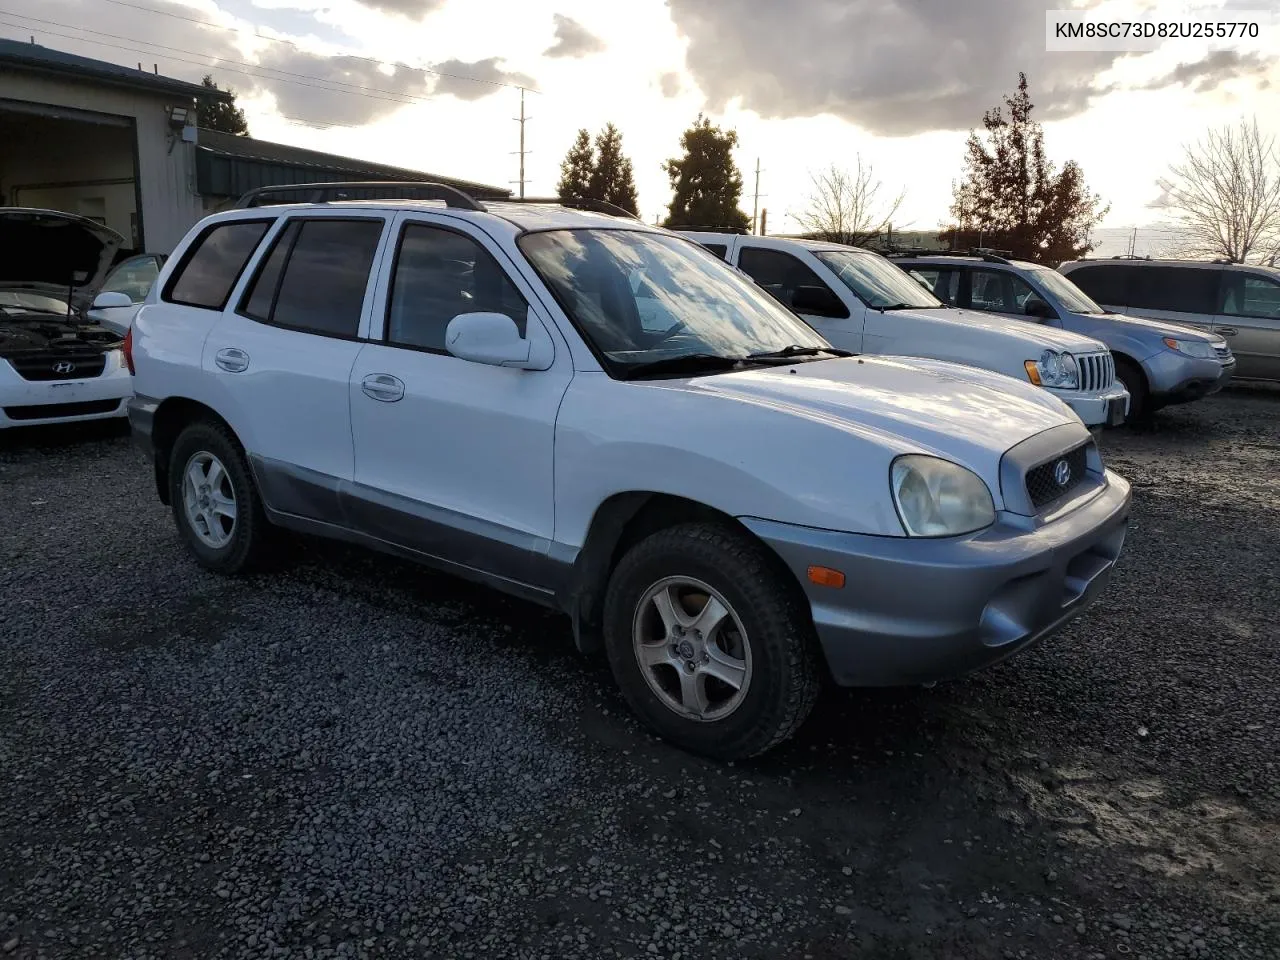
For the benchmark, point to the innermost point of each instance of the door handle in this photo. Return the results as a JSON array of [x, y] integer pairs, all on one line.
[[1227, 331], [382, 386], [232, 360]]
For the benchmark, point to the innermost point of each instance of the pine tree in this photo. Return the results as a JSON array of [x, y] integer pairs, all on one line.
[[224, 117], [612, 179], [1013, 199], [706, 182], [577, 169]]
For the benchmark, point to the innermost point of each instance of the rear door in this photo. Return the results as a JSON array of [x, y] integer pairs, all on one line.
[[798, 286], [282, 356], [1181, 294], [1249, 320], [943, 281]]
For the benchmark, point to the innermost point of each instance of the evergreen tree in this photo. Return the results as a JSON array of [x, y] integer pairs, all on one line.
[[577, 169], [216, 115], [1013, 199], [612, 179], [706, 182]]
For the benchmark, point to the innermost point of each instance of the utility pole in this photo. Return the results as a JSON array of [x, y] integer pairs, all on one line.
[[755, 201], [522, 151], [764, 221]]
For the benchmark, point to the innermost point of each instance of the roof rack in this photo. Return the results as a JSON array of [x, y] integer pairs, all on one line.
[[713, 228], [982, 253], [343, 190], [585, 203]]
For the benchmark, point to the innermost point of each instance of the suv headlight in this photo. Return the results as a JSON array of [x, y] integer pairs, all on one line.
[[1199, 349], [1053, 369], [938, 498]]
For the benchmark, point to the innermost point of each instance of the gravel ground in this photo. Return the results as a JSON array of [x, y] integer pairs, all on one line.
[[354, 757]]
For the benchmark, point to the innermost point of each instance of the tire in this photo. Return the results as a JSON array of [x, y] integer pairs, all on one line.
[[219, 543], [764, 638], [1135, 381]]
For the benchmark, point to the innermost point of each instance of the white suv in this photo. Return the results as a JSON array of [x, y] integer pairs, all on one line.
[[599, 416], [860, 301]]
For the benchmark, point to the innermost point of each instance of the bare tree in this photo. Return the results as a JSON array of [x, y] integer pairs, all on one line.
[[1226, 194], [846, 206]]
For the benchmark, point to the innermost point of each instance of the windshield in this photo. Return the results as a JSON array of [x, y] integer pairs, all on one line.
[[877, 282], [1069, 295], [13, 302], [133, 278], [639, 298]]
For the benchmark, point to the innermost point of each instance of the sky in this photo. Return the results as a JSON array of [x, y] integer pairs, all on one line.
[[433, 85]]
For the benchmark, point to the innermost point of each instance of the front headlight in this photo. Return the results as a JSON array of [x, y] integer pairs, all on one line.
[[938, 498], [1199, 349], [1053, 369]]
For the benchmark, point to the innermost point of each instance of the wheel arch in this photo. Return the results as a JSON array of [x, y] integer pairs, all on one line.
[[620, 522], [173, 414]]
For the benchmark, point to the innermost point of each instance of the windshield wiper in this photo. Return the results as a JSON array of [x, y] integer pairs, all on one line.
[[795, 350], [684, 363], [904, 306]]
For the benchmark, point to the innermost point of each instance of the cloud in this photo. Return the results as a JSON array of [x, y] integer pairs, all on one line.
[[1214, 70], [572, 39], [458, 78], [414, 9], [894, 67], [670, 84]]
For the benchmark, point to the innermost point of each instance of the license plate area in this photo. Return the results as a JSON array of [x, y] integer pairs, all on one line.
[[1115, 411]]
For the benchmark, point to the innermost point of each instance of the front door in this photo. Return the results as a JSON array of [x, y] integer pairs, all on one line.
[[454, 458], [793, 282], [1249, 320]]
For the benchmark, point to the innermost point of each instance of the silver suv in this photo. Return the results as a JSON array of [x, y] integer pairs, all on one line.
[[1159, 363], [1235, 301]]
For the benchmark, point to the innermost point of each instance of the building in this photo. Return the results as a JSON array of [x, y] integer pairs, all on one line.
[[120, 145]]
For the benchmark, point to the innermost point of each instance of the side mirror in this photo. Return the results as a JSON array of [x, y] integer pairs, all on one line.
[[1035, 307], [108, 299], [817, 302], [490, 338]]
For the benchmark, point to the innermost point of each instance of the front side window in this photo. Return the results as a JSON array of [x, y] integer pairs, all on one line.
[[998, 291], [438, 275], [213, 265], [134, 277], [877, 282], [639, 297], [316, 275], [1109, 284], [1250, 295], [789, 279], [1177, 289]]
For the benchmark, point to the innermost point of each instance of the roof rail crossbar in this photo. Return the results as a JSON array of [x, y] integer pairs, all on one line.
[[713, 228], [586, 203], [342, 190]]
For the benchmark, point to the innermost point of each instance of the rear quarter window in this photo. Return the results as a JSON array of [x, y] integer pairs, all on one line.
[[210, 268]]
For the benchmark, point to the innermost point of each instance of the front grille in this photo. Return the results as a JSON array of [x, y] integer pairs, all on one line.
[[1097, 371], [86, 362], [1223, 352], [1042, 481], [44, 411]]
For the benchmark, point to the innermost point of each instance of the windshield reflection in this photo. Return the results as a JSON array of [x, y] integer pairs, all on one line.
[[876, 281]]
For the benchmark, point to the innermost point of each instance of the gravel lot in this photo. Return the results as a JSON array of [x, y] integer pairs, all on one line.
[[354, 757]]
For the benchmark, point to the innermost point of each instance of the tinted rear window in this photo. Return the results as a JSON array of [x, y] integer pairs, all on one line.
[[323, 287], [1105, 283], [211, 268], [719, 249], [1180, 289]]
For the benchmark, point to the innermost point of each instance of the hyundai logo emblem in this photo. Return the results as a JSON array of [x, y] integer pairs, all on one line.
[[1062, 473], [63, 366]]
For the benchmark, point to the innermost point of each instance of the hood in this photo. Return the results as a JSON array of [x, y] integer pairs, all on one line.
[[1164, 328], [961, 413], [55, 254], [1040, 335]]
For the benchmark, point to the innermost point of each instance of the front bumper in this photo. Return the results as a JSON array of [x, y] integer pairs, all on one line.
[[1101, 408], [1176, 378], [917, 610], [29, 403]]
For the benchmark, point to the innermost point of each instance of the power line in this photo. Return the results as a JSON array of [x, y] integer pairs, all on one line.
[[263, 36]]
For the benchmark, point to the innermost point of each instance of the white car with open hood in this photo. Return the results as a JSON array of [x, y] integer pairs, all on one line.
[[862, 302], [597, 415], [56, 366]]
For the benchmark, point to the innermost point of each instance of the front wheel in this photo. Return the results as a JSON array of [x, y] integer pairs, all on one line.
[[711, 646]]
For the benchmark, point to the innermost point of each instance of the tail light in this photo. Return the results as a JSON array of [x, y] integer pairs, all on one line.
[[128, 350]]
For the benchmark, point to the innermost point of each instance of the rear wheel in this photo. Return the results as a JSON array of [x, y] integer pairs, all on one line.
[[1135, 381], [215, 503], [709, 643]]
